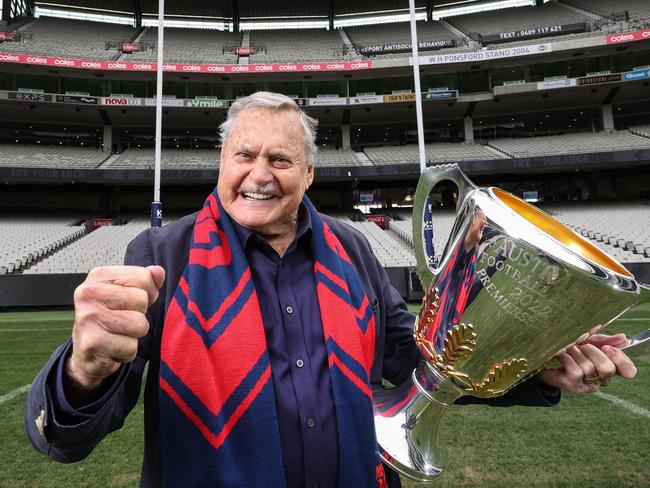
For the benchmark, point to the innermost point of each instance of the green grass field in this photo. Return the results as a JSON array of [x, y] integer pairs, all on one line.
[[586, 441]]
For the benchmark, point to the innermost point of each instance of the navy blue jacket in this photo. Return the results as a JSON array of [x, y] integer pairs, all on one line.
[[66, 439]]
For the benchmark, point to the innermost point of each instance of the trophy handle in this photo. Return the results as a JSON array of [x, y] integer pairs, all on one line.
[[422, 219], [641, 342]]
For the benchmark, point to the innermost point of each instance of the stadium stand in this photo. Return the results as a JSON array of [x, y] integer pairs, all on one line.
[[637, 9], [70, 38], [443, 221], [105, 246], [294, 45], [183, 9], [641, 130], [209, 158], [55, 246], [511, 19], [582, 142], [612, 226], [389, 251], [398, 33], [437, 152], [170, 158], [337, 157], [190, 46], [24, 240], [40, 156]]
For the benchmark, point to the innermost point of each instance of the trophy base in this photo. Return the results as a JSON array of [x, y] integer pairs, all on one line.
[[407, 423]]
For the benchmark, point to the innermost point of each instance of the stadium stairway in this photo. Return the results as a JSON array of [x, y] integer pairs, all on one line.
[[496, 151], [471, 43], [363, 159], [109, 161], [245, 42], [348, 44], [582, 11]]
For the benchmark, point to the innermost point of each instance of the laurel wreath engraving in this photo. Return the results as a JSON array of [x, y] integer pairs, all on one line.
[[460, 344]]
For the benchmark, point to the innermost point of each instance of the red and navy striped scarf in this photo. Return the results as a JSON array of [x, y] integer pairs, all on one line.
[[217, 403]]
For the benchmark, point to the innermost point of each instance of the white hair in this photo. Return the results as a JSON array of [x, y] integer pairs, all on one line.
[[272, 101]]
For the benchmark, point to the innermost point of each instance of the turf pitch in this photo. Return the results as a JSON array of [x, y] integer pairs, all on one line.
[[585, 441]]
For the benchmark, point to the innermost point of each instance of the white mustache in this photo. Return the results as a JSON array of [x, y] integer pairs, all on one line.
[[266, 189]]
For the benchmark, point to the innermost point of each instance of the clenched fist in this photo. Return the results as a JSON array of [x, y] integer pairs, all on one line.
[[110, 309]]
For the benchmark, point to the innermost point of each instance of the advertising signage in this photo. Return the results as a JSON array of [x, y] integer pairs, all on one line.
[[405, 47], [486, 55], [640, 74], [121, 101], [245, 50], [531, 33], [366, 99], [30, 97], [628, 36], [166, 102], [76, 99], [399, 98], [440, 95], [327, 101], [206, 103], [596, 79], [184, 67], [553, 84]]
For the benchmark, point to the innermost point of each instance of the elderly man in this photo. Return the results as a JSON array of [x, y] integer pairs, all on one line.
[[264, 324]]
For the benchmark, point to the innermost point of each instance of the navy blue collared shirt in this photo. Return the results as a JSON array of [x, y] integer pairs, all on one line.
[[286, 290]]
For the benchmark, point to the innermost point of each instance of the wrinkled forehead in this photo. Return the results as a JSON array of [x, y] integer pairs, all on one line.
[[279, 128]]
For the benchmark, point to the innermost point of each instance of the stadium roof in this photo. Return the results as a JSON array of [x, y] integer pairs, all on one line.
[[246, 13]]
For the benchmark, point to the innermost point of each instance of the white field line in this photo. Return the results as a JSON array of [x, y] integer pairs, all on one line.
[[13, 394], [624, 403], [36, 330]]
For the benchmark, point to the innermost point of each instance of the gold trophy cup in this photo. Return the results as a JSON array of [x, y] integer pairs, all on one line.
[[513, 287]]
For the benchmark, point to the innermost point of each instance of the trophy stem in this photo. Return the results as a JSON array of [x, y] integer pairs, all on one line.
[[408, 431]]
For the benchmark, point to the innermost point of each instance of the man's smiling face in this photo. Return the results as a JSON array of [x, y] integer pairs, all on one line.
[[264, 171]]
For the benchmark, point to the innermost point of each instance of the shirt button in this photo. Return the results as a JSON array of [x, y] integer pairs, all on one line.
[[300, 363], [289, 309], [311, 422]]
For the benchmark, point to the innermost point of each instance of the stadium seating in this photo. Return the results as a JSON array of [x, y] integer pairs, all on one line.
[[386, 34], [209, 159], [516, 18], [443, 221], [24, 240], [294, 45], [641, 130], [190, 46], [635, 8], [612, 226], [576, 143], [71, 38], [105, 246], [41, 156], [437, 152], [170, 159], [389, 251], [337, 157]]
